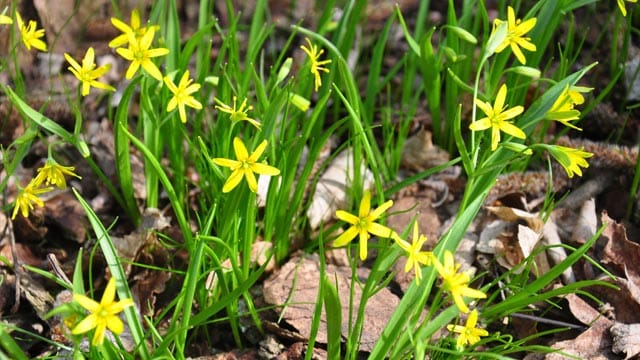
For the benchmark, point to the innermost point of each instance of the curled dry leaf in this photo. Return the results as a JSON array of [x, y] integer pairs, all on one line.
[[626, 339], [296, 284], [619, 251]]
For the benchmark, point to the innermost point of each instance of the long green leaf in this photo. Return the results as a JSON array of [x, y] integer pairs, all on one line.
[[115, 267]]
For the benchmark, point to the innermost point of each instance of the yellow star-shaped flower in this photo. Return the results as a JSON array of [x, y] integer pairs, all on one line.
[[469, 334], [28, 196], [415, 255], [364, 224], [103, 314], [182, 95], [456, 283], [238, 114], [497, 118], [140, 54], [31, 35], [135, 29], [516, 29], [87, 73], [317, 65], [245, 166], [53, 173]]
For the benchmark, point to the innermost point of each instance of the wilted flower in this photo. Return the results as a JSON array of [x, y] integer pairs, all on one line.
[[238, 114], [28, 196], [53, 173], [317, 65]]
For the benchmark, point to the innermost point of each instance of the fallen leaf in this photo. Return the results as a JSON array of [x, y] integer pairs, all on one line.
[[296, 284], [593, 344], [621, 254], [626, 339], [419, 152]]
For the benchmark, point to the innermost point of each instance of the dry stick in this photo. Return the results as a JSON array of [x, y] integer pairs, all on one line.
[[8, 230], [549, 321]]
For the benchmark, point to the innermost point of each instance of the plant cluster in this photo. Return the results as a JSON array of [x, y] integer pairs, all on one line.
[[235, 119]]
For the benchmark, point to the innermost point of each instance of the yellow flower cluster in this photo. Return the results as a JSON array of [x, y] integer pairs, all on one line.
[[51, 173], [499, 117], [456, 283]]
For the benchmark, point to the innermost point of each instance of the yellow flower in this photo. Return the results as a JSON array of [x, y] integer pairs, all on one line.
[[469, 334], [562, 109], [623, 9], [317, 65], [497, 118], [571, 159], [135, 29], [239, 114], [28, 196], [140, 54], [30, 35], [456, 283], [103, 315], [5, 20], [88, 73], [245, 166], [415, 255], [364, 224], [53, 173], [182, 95], [516, 29]]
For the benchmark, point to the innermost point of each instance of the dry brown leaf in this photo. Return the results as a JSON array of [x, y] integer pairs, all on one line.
[[514, 215], [587, 223], [621, 254], [65, 212], [419, 152], [584, 312], [593, 344], [626, 339], [305, 274]]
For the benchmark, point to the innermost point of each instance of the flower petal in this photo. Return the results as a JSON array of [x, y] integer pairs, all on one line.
[[346, 237]]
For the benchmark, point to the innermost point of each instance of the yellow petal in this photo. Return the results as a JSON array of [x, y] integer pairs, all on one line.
[[233, 181], [346, 237], [85, 325]]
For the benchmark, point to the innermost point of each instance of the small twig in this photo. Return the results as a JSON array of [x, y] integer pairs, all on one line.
[[57, 269], [548, 321], [8, 231]]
